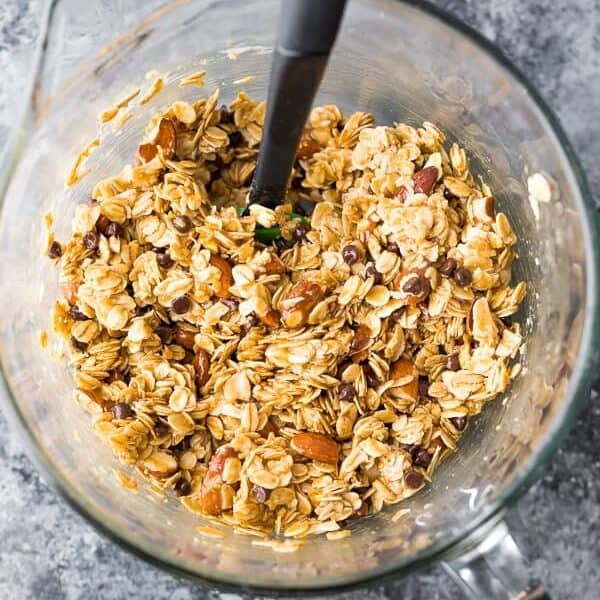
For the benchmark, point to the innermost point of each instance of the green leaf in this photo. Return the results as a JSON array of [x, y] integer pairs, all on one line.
[[296, 217], [267, 235], [240, 210]]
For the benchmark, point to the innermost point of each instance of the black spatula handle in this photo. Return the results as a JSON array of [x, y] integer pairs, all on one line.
[[306, 33]]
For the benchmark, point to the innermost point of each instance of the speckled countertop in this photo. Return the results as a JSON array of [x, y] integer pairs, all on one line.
[[48, 552]]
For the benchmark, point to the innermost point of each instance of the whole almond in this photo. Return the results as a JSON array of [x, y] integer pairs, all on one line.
[[307, 146], [201, 365], [147, 152], [316, 446], [226, 277], [166, 137], [210, 492], [184, 336], [400, 369], [424, 180], [305, 296]]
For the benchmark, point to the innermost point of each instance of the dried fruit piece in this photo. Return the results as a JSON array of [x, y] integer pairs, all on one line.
[[361, 340], [316, 446], [299, 301], [307, 146], [401, 369], [226, 277], [201, 365], [210, 493], [271, 319], [424, 180], [166, 138]]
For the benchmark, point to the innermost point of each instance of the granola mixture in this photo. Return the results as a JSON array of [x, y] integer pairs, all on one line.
[[286, 371]]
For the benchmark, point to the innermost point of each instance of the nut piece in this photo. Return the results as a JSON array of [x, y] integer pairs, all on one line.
[[271, 319], [362, 339], [201, 365], [317, 446], [210, 493], [166, 138], [402, 369], [483, 209], [424, 180], [307, 146], [184, 336], [226, 277], [415, 284], [299, 301]]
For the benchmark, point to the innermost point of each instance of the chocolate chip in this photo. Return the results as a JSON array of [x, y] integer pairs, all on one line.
[[122, 411], [161, 429], [181, 305], [183, 487], [102, 223], [423, 386], [142, 310], [463, 276], [281, 244], [76, 314], [413, 286], [182, 223], [396, 315], [422, 458], [372, 379], [225, 114], [90, 240], [165, 334], [452, 363], [393, 247], [113, 229], [296, 185], [413, 479], [235, 139], [183, 445], [164, 260], [251, 322], [371, 271], [305, 205], [449, 195], [261, 494], [300, 232], [448, 267], [459, 422], [350, 254], [81, 346], [346, 391], [230, 303], [55, 250]]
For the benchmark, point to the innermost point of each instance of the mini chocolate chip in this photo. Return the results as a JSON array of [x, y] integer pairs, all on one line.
[[183, 487], [423, 386], [452, 363], [448, 267], [76, 314], [183, 445], [371, 271], [165, 333], [372, 379], [102, 223], [413, 479], [225, 114], [393, 247], [350, 254], [305, 205], [90, 240], [463, 276], [122, 411], [181, 305], [55, 250], [81, 346], [449, 195], [261, 494], [396, 315], [230, 303], [161, 429], [508, 322], [142, 310], [413, 286], [459, 422], [281, 244], [422, 458], [300, 232], [182, 223], [346, 391], [296, 185], [164, 260], [113, 229], [235, 139]]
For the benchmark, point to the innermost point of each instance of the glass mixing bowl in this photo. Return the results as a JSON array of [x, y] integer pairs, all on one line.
[[400, 61]]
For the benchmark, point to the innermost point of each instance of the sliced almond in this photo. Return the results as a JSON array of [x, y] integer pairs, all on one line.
[[316, 446], [484, 327], [226, 276], [402, 369]]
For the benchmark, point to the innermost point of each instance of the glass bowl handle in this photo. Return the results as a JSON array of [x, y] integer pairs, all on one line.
[[488, 564]]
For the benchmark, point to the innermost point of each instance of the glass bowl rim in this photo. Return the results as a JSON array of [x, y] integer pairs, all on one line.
[[579, 384]]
